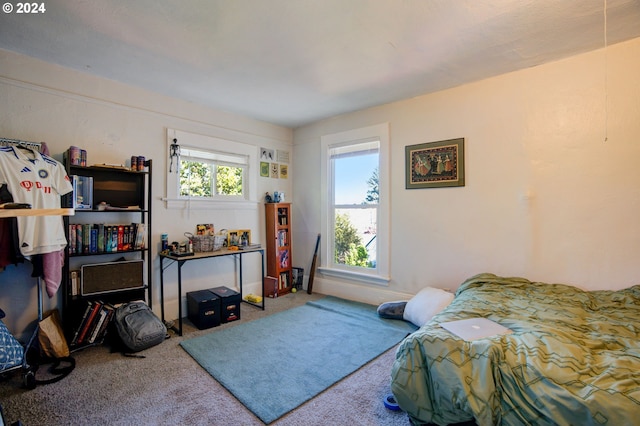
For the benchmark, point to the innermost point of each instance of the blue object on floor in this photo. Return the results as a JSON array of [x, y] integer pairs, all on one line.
[[390, 403]]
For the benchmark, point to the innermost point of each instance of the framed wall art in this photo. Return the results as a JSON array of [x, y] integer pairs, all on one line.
[[435, 164], [264, 169], [284, 171]]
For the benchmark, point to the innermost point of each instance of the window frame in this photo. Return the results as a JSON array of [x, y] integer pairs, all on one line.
[[380, 275], [215, 160], [214, 146]]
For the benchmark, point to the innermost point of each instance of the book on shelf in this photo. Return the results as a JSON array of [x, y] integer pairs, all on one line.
[[101, 246], [140, 235], [75, 282], [86, 238], [94, 323], [95, 328], [113, 240], [93, 239], [78, 238], [72, 238], [81, 323], [284, 281], [89, 322], [110, 310]]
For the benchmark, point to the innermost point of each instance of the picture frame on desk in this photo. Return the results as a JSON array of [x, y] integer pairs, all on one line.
[[238, 237]]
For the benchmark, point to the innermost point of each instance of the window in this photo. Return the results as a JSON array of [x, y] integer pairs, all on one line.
[[356, 218], [211, 173]]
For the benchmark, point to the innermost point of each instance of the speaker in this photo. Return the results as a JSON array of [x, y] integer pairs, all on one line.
[[100, 278]]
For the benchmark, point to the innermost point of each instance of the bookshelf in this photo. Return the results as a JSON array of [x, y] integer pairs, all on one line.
[[108, 244], [279, 250]]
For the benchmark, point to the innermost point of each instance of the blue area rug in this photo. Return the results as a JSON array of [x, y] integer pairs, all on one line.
[[274, 364]]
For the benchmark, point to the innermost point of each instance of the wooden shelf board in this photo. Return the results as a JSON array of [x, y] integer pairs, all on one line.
[[35, 212]]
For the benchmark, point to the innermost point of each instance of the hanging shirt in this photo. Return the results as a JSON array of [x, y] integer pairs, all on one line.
[[39, 180]]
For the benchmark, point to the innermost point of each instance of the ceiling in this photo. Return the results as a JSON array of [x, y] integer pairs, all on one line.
[[293, 62]]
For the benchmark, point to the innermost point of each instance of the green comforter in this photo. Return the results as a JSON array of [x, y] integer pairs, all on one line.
[[573, 358]]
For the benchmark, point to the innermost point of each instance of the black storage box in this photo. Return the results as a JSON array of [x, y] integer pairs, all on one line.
[[203, 309], [229, 303]]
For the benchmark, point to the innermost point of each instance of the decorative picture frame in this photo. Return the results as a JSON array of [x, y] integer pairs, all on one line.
[[237, 237], [267, 154], [284, 171], [435, 164], [205, 229], [264, 169], [274, 170]]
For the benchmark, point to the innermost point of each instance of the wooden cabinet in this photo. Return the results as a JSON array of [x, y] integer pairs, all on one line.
[[278, 227], [107, 256]]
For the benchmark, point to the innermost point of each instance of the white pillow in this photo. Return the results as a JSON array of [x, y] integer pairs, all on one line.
[[424, 305]]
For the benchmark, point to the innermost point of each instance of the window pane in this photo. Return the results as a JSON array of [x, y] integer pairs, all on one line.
[[351, 178], [195, 179], [355, 201], [355, 236], [229, 180]]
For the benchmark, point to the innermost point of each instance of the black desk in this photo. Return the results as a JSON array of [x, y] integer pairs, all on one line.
[[181, 260]]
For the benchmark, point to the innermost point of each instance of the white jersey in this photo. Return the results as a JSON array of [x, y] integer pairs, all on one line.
[[39, 180]]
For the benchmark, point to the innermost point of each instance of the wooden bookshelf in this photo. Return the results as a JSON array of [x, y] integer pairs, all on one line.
[[279, 251]]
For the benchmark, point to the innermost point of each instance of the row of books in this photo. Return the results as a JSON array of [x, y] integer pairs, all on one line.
[[282, 217], [94, 324], [283, 281], [283, 238], [104, 238]]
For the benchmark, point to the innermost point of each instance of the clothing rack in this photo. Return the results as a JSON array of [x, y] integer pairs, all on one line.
[[17, 142], [29, 375], [37, 146]]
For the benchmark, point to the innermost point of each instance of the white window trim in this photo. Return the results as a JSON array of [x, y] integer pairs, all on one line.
[[381, 274], [174, 201]]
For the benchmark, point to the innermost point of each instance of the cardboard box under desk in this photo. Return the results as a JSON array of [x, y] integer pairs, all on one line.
[[203, 309], [229, 303]]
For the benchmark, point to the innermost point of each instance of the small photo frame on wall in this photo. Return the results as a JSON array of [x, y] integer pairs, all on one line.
[[283, 156], [267, 154], [435, 164], [264, 169], [284, 171], [274, 170]]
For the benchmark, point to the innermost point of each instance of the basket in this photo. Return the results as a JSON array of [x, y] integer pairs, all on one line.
[[298, 276], [205, 243]]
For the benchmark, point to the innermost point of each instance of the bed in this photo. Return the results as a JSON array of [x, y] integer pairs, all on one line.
[[573, 357]]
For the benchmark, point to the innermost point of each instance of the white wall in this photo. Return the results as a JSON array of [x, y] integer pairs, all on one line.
[[546, 197], [112, 121]]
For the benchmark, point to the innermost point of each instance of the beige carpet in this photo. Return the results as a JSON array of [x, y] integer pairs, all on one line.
[[169, 388]]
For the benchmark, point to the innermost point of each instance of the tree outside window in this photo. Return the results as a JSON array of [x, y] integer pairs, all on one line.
[[209, 177]]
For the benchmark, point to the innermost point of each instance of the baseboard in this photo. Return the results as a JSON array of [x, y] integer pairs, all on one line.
[[371, 294]]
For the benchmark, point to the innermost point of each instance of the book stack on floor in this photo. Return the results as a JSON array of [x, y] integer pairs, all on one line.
[[94, 323]]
